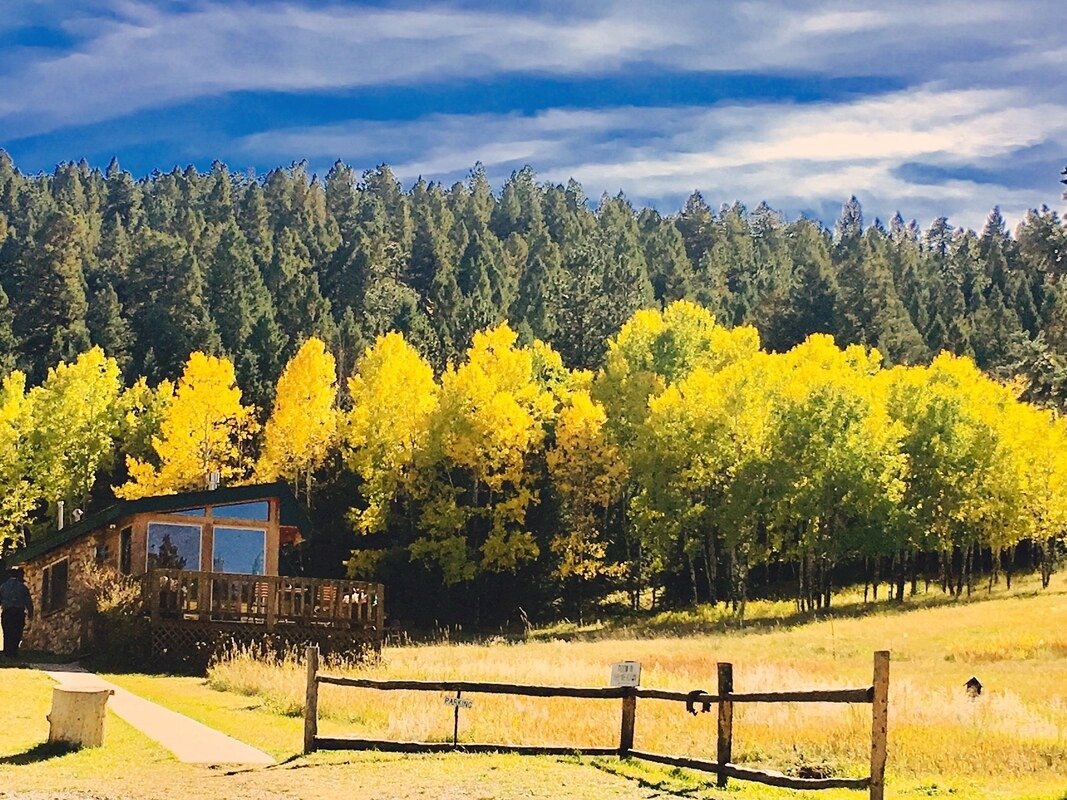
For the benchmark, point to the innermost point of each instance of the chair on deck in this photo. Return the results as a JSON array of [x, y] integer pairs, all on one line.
[[326, 601]]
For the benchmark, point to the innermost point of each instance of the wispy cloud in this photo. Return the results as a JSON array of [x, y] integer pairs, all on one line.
[[980, 91], [152, 58], [795, 156], [133, 55]]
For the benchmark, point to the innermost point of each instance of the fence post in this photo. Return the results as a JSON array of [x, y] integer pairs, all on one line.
[[726, 720], [629, 714], [311, 701], [879, 723]]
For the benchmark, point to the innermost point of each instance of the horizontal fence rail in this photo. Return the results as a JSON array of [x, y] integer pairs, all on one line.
[[723, 699]]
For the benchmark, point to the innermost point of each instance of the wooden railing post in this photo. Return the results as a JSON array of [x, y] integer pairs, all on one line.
[[879, 723], [626, 729], [274, 586], [205, 595], [152, 582], [311, 701], [726, 720]]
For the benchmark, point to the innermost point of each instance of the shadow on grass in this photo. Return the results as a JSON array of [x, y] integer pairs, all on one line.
[[677, 624], [40, 752], [30, 659]]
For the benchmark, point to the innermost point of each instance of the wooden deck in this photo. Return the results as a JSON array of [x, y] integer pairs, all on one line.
[[193, 614]]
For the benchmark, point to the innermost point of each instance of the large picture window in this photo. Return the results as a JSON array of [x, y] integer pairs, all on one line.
[[173, 546], [240, 550]]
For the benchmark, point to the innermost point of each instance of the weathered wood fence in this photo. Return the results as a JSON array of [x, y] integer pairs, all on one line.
[[877, 695]]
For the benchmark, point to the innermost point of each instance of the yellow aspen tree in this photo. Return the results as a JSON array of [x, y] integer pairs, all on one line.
[[18, 495], [698, 469], [478, 479], [959, 484], [77, 420], [393, 398], [588, 474], [653, 351], [205, 429], [835, 476], [143, 409], [1039, 440], [302, 427]]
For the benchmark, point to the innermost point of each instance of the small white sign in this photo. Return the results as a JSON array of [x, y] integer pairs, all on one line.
[[460, 702], [626, 673]]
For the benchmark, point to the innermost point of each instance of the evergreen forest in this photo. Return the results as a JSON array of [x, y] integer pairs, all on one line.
[[520, 403]]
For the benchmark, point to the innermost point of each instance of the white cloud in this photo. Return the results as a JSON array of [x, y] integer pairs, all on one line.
[[983, 77], [835, 22], [793, 156], [140, 55], [153, 58]]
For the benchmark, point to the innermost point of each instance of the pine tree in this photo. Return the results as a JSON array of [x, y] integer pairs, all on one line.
[[301, 309], [123, 198], [534, 310], [8, 341], [669, 268], [810, 301], [697, 226], [519, 208], [50, 304], [254, 219], [168, 306]]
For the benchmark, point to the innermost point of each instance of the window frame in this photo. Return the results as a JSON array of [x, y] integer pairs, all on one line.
[[50, 604], [247, 511], [240, 528], [148, 544], [126, 550]]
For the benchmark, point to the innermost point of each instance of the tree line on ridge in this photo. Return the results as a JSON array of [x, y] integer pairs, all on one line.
[[654, 414]]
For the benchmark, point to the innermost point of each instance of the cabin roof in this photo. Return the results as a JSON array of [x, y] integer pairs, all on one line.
[[291, 514]]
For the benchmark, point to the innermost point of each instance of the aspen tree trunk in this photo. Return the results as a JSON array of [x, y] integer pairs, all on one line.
[[692, 578], [711, 567]]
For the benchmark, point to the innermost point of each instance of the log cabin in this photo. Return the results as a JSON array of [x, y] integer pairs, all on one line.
[[208, 567]]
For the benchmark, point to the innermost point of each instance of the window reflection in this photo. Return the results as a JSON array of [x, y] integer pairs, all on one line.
[[172, 546], [258, 510], [240, 550]]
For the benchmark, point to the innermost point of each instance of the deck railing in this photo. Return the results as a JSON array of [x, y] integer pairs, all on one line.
[[264, 600]]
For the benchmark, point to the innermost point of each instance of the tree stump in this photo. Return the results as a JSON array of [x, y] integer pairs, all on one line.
[[77, 715]]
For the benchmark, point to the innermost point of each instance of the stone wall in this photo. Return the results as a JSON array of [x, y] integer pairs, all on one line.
[[64, 631]]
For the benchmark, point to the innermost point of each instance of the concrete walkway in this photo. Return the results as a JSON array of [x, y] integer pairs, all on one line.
[[189, 740]]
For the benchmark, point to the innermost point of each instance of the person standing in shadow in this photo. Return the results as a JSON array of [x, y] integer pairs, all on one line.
[[16, 607]]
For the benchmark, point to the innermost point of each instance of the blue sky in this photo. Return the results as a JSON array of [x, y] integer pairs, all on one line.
[[929, 108]]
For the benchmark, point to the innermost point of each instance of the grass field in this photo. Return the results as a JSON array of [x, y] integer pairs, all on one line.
[[1009, 743]]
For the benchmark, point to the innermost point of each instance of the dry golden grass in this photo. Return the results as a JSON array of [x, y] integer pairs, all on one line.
[[940, 739]]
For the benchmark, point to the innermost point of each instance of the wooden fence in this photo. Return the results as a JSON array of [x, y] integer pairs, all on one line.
[[877, 695]]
